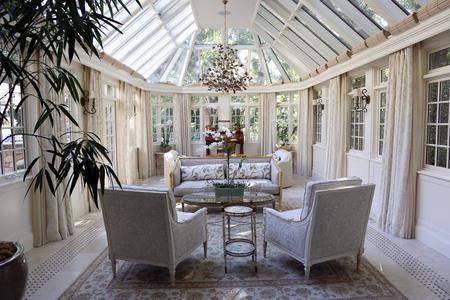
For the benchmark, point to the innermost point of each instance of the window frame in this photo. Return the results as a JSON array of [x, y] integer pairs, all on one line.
[[247, 105], [159, 106], [436, 145], [15, 173], [110, 99], [428, 59], [201, 105], [318, 120], [289, 104]]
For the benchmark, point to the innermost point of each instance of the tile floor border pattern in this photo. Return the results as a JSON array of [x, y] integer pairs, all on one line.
[[40, 275], [414, 267]]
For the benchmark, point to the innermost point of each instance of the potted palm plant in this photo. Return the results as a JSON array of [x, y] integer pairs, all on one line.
[[230, 189], [38, 41]]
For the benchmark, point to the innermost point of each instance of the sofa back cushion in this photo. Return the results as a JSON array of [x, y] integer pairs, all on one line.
[[202, 172], [250, 171]]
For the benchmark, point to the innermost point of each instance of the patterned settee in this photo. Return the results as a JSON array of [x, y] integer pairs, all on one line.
[[196, 174]]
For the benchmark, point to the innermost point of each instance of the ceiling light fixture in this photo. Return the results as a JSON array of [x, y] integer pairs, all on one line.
[[227, 74]]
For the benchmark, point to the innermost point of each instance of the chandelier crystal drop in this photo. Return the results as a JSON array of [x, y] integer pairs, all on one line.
[[227, 74]]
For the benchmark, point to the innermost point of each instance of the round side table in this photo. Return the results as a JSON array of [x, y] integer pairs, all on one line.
[[238, 247]]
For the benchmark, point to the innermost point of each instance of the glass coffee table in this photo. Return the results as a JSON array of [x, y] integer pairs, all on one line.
[[206, 199]]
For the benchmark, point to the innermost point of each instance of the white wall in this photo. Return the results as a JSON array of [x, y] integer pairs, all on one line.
[[15, 214]]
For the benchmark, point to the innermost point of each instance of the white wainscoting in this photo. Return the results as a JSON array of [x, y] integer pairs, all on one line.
[[15, 214], [433, 211]]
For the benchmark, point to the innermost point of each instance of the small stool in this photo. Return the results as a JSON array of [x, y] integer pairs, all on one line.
[[239, 247]]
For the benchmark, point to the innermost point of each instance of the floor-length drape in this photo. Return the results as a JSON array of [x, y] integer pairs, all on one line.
[[397, 215], [52, 214], [306, 133], [127, 167], [337, 128], [182, 113], [143, 137], [267, 127]]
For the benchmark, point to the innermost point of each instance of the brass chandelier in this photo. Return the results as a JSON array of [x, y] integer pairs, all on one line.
[[224, 74]]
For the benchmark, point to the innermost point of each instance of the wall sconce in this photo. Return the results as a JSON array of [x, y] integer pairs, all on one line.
[[85, 100], [320, 107], [362, 100]]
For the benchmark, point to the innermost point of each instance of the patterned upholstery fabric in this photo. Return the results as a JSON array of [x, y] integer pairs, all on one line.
[[313, 186], [140, 227], [136, 187], [335, 227], [250, 171], [269, 183], [202, 172]]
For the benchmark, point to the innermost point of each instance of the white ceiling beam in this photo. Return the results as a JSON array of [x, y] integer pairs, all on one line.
[[321, 31], [187, 58], [334, 22], [311, 52], [300, 29], [261, 58], [262, 24], [172, 63], [387, 10], [357, 16], [287, 53], [278, 64]]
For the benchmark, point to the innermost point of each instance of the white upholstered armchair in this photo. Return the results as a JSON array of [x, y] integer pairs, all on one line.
[[335, 226], [144, 226]]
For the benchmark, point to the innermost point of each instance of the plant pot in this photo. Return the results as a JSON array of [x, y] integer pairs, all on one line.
[[165, 149], [13, 274], [287, 147], [229, 194]]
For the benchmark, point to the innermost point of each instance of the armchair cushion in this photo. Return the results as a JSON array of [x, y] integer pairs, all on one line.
[[202, 172], [313, 186], [250, 171]]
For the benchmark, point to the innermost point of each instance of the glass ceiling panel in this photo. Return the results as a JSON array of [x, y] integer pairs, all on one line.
[[175, 73], [305, 10], [156, 76], [411, 5], [293, 75], [370, 13], [331, 5], [208, 36], [274, 73], [240, 36]]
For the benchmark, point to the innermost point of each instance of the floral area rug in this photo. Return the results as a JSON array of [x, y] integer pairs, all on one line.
[[278, 277]]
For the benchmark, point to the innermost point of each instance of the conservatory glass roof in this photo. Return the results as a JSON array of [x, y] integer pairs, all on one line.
[[170, 41]]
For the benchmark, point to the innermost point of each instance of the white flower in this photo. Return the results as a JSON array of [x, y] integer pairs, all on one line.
[[169, 123]]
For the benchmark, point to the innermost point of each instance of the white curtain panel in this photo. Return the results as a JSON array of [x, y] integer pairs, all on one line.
[[268, 119], [306, 131], [143, 139], [337, 128], [52, 215], [182, 113], [400, 156], [127, 166]]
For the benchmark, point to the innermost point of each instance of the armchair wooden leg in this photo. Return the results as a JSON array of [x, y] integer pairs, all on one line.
[[265, 249], [205, 249], [113, 266], [307, 268], [358, 261], [172, 277]]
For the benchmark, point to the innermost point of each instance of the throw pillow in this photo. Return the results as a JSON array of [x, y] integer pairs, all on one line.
[[250, 171], [202, 172]]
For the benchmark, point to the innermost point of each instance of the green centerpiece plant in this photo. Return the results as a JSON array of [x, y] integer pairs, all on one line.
[[230, 189]]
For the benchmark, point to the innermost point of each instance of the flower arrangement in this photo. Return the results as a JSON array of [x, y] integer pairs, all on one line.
[[217, 138], [165, 135], [230, 188]]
